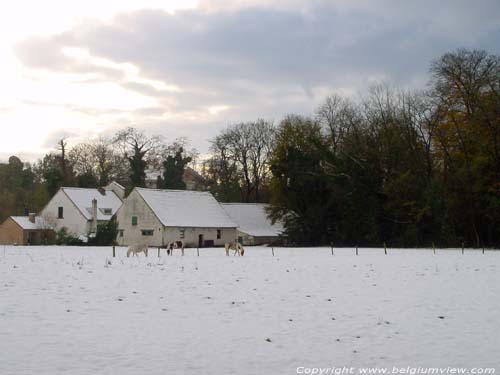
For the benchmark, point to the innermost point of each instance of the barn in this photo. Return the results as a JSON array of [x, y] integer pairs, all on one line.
[[254, 227], [157, 217], [25, 230]]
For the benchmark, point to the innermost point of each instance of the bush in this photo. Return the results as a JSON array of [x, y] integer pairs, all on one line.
[[65, 238], [106, 234]]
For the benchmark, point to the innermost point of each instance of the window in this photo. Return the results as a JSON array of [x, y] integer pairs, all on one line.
[[219, 234], [60, 213], [121, 232], [134, 220], [182, 232], [147, 232], [106, 211]]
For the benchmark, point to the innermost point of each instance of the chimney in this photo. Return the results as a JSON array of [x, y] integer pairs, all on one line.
[[93, 228], [31, 217]]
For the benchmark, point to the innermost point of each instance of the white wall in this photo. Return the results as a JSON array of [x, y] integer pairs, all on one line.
[[73, 219], [191, 235]]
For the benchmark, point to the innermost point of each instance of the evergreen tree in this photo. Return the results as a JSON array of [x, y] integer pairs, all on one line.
[[174, 167]]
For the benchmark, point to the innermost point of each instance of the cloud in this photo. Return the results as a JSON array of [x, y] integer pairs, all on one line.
[[254, 60]]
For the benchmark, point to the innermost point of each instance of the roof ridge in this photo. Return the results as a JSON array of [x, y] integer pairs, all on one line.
[[245, 203], [174, 190], [78, 188]]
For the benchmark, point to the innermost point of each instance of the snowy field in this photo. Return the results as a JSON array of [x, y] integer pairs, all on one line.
[[80, 311]]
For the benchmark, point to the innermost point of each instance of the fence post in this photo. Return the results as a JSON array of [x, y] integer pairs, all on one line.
[[114, 253], [483, 249], [272, 250], [331, 246], [434, 248], [463, 249], [198, 251], [385, 248], [158, 251], [357, 250]]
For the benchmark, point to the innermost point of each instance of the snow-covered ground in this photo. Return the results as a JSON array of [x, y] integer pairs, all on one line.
[[80, 311]]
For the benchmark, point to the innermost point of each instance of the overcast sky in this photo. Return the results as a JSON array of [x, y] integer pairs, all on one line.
[[189, 68]]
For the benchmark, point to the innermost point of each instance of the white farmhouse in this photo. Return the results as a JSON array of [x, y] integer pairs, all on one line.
[[79, 210], [254, 227], [157, 217]]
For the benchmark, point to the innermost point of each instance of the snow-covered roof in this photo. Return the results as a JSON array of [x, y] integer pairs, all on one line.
[[252, 219], [115, 183], [186, 208], [107, 203], [25, 223]]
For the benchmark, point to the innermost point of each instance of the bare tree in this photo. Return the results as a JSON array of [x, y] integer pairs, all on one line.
[[337, 116], [246, 146], [262, 138]]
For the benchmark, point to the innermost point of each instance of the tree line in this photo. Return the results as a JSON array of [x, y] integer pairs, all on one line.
[[409, 168]]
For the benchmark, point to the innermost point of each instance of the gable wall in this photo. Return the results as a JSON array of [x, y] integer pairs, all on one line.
[[134, 205], [73, 219]]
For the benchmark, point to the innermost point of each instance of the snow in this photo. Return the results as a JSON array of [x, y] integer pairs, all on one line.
[[25, 223], [185, 208], [252, 219], [80, 311], [82, 198]]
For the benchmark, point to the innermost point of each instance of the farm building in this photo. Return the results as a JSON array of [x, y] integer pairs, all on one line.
[[157, 217], [254, 227], [25, 230], [80, 210]]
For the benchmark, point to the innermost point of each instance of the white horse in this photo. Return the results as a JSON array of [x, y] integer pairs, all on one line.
[[175, 245], [136, 249], [236, 246]]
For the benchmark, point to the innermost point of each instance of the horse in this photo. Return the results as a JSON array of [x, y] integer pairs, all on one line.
[[175, 245], [136, 249], [236, 246]]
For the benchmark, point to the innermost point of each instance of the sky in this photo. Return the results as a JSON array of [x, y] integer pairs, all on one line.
[[189, 68]]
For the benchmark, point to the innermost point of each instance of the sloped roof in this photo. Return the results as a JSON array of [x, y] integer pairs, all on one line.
[[82, 198], [252, 219], [186, 208], [25, 223]]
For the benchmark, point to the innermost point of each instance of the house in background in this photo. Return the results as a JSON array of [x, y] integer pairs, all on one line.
[[116, 188], [79, 210], [25, 230], [254, 227], [192, 179], [157, 217]]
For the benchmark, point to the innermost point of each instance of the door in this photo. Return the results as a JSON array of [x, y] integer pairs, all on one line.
[[200, 240]]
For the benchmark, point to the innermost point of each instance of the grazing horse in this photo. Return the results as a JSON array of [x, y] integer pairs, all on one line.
[[175, 245], [136, 249], [236, 246]]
